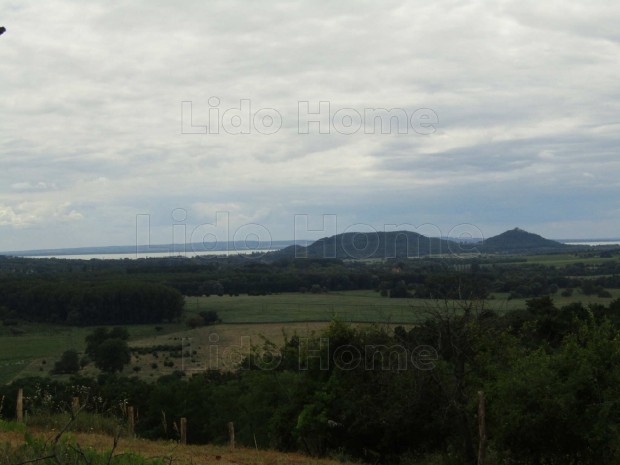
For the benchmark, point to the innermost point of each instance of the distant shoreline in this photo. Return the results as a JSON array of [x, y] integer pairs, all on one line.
[[141, 255], [212, 249], [158, 250], [591, 242]]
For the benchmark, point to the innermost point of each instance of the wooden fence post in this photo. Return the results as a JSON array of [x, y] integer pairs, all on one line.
[[231, 434], [75, 405], [20, 406], [131, 425], [482, 429], [183, 430]]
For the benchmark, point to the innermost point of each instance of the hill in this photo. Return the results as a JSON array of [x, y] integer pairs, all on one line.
[[517, 240], [408, 244], [362, 245]]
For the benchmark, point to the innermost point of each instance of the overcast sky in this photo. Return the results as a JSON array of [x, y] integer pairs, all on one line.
[[521, 100]]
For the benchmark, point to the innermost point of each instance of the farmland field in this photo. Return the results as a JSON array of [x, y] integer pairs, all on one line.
[[36, 347], [561, 260], [245, 320], [351, 306]]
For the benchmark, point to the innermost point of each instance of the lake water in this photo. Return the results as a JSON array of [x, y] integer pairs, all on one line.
[[134, 255], [593, 243]]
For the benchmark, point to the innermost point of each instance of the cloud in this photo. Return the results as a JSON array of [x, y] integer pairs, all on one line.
[[28, 214], [526, 95]]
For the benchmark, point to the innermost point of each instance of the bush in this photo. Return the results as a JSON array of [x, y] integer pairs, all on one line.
[[69, 363], [112, 355], [194, 322], [109, 349], [210, 317]]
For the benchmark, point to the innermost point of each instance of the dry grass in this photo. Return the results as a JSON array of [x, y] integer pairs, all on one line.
[[219, 346], [216, 347], [180, 455]]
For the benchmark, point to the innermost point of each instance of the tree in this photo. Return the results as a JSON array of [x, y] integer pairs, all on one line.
[[112, 355], [453, 328], [68, 364], [210, 317], [109, 349], [99, 335], [561, 407]]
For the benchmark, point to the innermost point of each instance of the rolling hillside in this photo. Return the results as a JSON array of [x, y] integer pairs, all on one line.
[[359, 245], [407, 244], [517, 240]]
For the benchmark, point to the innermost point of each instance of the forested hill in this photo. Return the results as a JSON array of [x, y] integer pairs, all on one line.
[[361, 245], [408, 244], [518, 240]]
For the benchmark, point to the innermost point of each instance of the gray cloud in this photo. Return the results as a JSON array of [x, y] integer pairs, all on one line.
[[526, 94]]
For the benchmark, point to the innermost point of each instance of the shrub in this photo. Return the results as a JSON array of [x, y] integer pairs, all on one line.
[[210, 317], [194, 322], [69, 363]]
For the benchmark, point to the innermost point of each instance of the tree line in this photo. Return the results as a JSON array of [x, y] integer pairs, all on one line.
[[88, 303], [422, 278]]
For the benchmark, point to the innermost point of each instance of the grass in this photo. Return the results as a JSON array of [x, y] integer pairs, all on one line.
[[85, 422], [17, 352], [501, 304], [36, 349], [561, 260], [246, 320], [351, 306], [164, 451], [215, 347], [64, 450]]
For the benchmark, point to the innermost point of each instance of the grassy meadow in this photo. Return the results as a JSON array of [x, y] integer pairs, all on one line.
[[349, 306], [167, 452], [246, 320]]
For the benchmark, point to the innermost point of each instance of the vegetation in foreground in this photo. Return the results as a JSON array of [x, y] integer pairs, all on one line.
[[65, 450], [551, 377], [19, 444]]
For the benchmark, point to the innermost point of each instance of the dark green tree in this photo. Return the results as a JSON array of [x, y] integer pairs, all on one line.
[[561, 407], [108, 348], [112, 355], [68, 364], [210, 317]]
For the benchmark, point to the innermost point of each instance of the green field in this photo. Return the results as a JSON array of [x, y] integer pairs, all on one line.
[[561, 260], [352, 306], [36, 347], [34, 351]]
